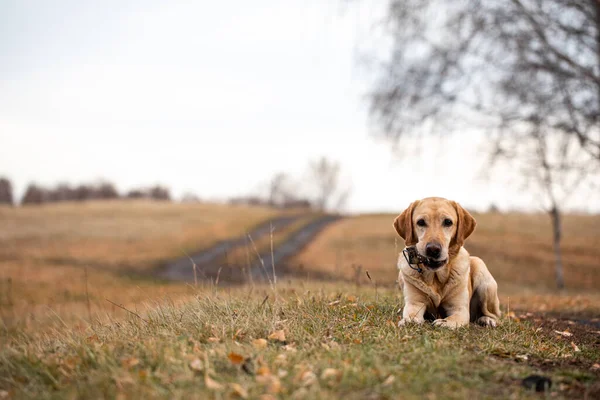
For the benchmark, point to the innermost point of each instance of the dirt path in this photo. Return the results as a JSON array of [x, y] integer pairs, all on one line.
[[210, 265], [295, 243]]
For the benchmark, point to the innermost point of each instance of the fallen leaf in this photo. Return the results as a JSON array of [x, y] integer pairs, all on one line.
[[512, 316], [565, 333], [197, 365], [329, 373], [263, 371], [282, 373], [575, 348], [212, 384], [351, 298], [3, 394], [308, 378], [238, 334], [271, 383], [289, 347], [130, 362], [213, 340], [357, 341], [267, 397], [259, 343], [278, 335], [72, 362], [281, 359], [239, 390], [595, 367], [389, 380], [93, 338], [235, 358]]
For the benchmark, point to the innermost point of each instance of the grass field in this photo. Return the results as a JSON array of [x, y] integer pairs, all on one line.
[[61, 338], [64, 260], [120, 235], [302, 341]]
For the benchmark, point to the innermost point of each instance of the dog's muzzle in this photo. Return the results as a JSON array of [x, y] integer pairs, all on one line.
[[413, 257]]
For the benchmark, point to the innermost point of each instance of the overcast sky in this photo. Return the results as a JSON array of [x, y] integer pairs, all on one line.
[[213, 98]]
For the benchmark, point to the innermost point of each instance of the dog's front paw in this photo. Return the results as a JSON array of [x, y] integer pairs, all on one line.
[[487, 321], [448, 323]]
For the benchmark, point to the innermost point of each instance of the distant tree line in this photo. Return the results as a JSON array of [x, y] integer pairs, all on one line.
[[261, 201], [37, 194], [6, 195], [321, 188]]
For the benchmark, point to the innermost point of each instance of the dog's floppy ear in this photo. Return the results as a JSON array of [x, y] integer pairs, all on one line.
[[465, 225], [404, 226]]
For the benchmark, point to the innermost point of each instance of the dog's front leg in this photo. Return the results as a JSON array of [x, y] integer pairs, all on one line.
[[457, 309], [413, 313], [459, 317]]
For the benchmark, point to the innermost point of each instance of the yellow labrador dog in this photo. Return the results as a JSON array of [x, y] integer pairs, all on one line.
[[439, 279]]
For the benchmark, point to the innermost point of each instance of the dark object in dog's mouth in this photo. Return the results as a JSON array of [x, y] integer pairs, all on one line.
[[412, 256], [434, 264]]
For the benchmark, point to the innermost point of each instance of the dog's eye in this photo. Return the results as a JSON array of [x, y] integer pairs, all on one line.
[[421, 222], [447, 222]]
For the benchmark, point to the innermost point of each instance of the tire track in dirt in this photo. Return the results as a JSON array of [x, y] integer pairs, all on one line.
[[293, 244], [210, 265]]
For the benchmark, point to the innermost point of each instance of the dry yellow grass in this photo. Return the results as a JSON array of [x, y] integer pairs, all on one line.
[[37, 296], [60, 264], [516, 247], [46, 252], [132, 235]]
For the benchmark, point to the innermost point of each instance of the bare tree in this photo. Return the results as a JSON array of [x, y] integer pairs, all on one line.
[[6, 192], [278, 189], [157, 192], [83, 192], [507, 61], [553, 167], [325, 176], [136, 194], [105, 191], [528, 71], [34, 194]]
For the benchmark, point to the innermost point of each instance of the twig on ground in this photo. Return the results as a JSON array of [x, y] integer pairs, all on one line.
[[273, 257], [263, 302], [129, 311], [87, 294], [262, 263], [193, 266], [374, 283]]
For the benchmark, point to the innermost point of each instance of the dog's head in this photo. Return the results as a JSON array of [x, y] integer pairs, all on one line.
[[438, 227]]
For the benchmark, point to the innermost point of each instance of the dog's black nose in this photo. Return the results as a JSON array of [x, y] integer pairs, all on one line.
[[433, 250]]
